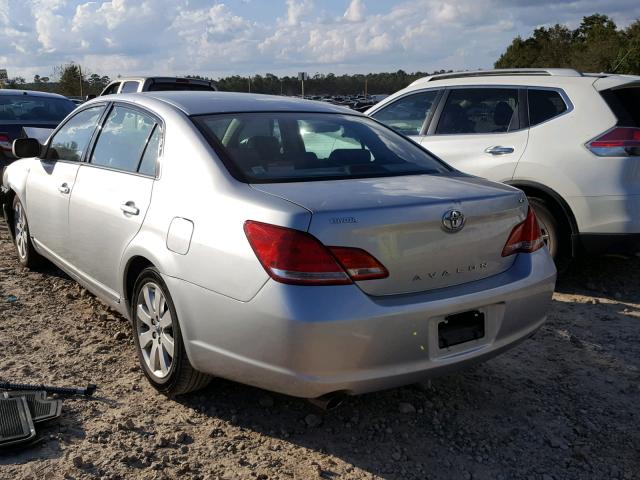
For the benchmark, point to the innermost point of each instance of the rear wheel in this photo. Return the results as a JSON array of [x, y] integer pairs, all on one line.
[[27, 255], [158, 338], [549, 226]]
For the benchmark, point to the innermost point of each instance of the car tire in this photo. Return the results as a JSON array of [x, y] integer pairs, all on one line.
[[158, 338], [27, 255], [549, 226]]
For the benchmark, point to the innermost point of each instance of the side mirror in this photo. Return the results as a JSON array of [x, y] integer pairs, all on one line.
[[26, 148], [89, 97]]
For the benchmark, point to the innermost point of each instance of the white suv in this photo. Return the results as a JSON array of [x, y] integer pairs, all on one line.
[[570, 140]]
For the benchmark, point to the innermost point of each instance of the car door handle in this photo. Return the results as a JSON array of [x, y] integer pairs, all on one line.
[[64, 188], [130, 208], [499, 150]]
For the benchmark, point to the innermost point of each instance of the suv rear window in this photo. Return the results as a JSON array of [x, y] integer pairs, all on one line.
[[34, 108], [625, 105], [543, 105], [165, 86], [281, 147]]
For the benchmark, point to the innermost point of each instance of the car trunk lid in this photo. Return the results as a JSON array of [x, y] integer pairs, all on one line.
[[399, 220]]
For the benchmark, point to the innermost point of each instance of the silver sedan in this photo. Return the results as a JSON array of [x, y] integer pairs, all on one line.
[[291, 245]]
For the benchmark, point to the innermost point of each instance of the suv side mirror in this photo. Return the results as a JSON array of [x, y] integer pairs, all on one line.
[[26, 148]]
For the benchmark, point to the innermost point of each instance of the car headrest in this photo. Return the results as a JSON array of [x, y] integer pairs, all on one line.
[[502, 114], [267, 147]]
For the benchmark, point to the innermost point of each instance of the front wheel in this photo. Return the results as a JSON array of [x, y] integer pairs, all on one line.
[[27, 255], [158, 338]]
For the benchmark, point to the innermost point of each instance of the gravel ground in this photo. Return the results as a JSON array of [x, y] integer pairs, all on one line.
[[564, 404]]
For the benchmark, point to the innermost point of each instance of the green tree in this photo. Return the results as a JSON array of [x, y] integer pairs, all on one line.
[[595, 46]]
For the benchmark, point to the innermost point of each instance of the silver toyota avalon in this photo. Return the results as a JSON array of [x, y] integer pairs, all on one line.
[[291, 245]]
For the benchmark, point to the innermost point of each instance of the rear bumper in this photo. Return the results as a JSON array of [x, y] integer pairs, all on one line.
[[601, 243], [309, 341]]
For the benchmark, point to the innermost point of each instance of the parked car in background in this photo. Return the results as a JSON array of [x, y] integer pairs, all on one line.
[[156, 84], [292, 245], [25, 108], [570, 140]]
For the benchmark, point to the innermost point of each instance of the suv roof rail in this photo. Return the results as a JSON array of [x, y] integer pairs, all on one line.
[[566, 72]]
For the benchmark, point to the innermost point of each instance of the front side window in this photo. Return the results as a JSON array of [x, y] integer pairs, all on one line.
[[123, 139], [71, 141], [407, 114], [479, 110], [129, 87], [273, 147], [543, 105]]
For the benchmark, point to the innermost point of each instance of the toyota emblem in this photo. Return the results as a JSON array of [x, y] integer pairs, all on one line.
[[453, 221]]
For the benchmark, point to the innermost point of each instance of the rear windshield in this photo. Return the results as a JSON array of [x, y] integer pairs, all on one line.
[[165, 86], [34, 108], [625, 105], [276, 147]]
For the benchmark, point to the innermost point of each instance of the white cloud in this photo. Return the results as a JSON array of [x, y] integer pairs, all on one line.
[[220, 38], [356, 11]]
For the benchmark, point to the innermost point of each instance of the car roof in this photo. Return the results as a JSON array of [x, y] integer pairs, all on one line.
[[515, 76], [33, 93], [160, 79], [202, 102]]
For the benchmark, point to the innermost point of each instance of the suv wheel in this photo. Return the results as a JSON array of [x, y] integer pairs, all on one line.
[[548, 226], [158, 338], [27, 255]]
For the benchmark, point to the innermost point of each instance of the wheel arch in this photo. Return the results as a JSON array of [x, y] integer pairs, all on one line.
[[134, 266]]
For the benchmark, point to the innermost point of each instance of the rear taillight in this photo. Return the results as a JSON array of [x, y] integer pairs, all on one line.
[[5, 142], [617, 142], [525, 237], [296, 257]]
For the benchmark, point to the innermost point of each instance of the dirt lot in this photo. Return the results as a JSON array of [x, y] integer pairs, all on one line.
[[564, 404]]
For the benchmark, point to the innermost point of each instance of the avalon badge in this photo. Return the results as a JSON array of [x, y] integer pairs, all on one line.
[[453, 221]]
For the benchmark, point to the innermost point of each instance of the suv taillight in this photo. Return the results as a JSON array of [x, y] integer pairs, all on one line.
[[296, 257], [617, 142], [5, 142], [525, 237]]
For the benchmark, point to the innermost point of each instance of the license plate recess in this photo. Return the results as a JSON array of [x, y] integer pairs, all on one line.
[[461, 328]]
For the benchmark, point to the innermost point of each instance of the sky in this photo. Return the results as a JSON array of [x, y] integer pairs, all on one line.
[[220, 38]]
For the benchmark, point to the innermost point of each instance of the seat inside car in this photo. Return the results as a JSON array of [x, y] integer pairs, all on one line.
[[502, 116]]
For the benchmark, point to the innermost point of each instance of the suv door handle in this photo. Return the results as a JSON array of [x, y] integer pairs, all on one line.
[[130, 208], [64, 188], [499, 150]]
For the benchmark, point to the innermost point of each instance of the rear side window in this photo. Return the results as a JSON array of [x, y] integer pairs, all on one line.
[[130, 87], [544, 105], [279, 146], [625, 105], [150, 156], [479, 110], [123, 139], [407, 114]]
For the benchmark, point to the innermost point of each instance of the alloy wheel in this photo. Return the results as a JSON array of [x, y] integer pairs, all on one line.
[[155, 329], [21, 231]]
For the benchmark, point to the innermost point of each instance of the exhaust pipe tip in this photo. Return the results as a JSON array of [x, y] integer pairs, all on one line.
[[329, 401]]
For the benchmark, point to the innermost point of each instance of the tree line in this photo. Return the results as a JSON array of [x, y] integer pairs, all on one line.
[[596, 45]]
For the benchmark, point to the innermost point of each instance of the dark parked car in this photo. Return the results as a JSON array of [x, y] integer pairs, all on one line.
[[25, 108]]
